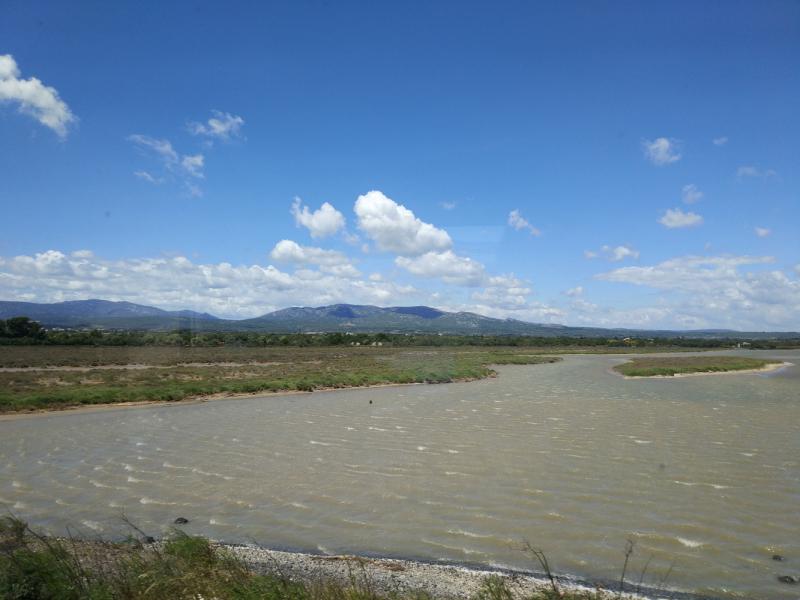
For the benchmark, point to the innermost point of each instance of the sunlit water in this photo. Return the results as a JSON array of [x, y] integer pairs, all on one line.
[[701, 472]]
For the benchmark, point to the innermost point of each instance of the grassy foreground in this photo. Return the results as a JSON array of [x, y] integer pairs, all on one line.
[[38, 567], [656, 366], [169, 374]]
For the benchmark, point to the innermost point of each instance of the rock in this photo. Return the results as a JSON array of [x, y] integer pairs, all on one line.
[[147, 539], [181, 521], [786, 579], [777, 557]]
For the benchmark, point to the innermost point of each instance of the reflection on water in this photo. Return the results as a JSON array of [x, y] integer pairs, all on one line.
[[702, 472]]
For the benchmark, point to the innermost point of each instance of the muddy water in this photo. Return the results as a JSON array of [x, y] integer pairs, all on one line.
[[702, 473]]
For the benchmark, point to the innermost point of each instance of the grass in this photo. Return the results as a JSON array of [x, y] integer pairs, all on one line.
[[38, 567], [669, 366], [178, 374]]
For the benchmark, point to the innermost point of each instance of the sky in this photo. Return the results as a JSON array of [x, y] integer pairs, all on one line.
[[614, 164]]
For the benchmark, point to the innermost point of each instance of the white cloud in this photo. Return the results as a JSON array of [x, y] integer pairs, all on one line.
[[188, 165], [193, 164], [448, 205], [690, 194], [221, 126], [162, 147], [677, 219], [35, 99], [324, 221], [590, 254], [619, 253], [753, 172], [576, 291], [394, 228], [147, 177], [796, 270], [506, 292], [717, 293], [192, 190], [762, 232], [661, 152], [287, 251], [175, 283], [583, 306], [516, 221], [720, 141], [451, 268]]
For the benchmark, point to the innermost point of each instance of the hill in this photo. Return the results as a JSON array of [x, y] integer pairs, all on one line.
[[342, 318]]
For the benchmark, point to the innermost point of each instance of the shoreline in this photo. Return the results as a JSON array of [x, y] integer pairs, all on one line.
[[439, 579], [112, 406], [764, 369]]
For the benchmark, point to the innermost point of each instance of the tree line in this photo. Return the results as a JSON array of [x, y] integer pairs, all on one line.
[[24, 331]]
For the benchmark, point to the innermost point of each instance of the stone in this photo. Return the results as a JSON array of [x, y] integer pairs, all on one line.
[[777, 557], [181, 521], [786, 579]]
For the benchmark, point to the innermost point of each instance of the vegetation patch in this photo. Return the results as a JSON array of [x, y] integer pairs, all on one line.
[[84, 376], [657, 366]]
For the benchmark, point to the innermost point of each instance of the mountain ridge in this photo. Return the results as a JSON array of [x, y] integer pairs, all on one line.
[[343, 318]]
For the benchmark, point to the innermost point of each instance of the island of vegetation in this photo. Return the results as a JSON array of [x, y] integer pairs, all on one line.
[[670, 366]]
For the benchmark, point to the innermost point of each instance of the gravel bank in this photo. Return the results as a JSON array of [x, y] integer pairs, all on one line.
[[404, 576]]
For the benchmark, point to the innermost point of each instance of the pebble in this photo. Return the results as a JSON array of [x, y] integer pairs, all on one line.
[[181, 521], [390, 576], [786, 579]]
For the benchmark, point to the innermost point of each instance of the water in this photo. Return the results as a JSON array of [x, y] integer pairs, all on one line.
[[702, 473]]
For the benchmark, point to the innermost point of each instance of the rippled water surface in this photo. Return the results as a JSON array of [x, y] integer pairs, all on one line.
[[700, 472]]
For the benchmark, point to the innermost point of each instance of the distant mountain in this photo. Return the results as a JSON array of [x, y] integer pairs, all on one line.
[[343, 318], [80, 309]]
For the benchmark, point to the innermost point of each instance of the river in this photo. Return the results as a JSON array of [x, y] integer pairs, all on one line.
[[701, 473]]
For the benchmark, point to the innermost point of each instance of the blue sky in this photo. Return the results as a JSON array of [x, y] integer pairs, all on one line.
[[615, 164]]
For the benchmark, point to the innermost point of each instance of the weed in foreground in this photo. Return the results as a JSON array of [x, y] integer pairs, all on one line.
[[34, 566]]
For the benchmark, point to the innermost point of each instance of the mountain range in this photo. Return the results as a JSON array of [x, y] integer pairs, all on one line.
[[103, 314]]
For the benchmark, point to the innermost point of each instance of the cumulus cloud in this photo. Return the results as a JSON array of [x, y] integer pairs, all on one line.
[[720, 141], [34, 98], [796, 269], [762, 232], [506, 292], [576, 291], [324, 221], [451, 268], [590, 254], [690, 194], [176, 283], [516, 221], [394, 228], [661, 152], [287, 251], [222, 126], [619, 253], [677, 219], [717, 293]]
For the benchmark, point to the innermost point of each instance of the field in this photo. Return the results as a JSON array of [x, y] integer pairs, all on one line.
[[656, 366], [100, 375]]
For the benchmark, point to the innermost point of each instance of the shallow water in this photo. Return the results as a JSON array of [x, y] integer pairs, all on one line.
[[702, 473]]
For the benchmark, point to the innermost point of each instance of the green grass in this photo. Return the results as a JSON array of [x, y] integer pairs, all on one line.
[[669, 365], [204, 372]]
